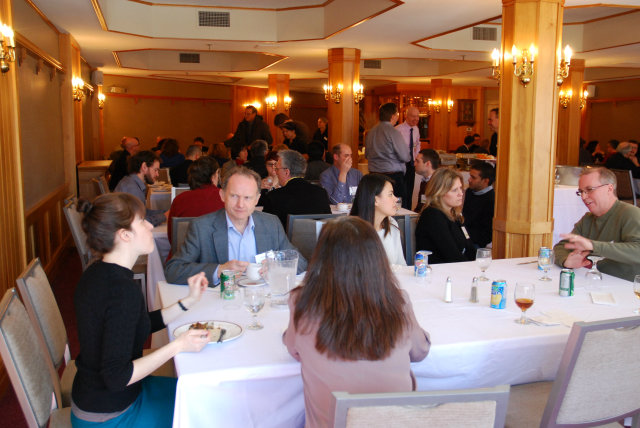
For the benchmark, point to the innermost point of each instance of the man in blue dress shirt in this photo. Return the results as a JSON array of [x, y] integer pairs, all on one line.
[[232, 237], [340, 180]]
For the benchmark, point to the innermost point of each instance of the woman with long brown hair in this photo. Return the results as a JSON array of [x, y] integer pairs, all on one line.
[[440, 227], [351, 326], [112, 387]]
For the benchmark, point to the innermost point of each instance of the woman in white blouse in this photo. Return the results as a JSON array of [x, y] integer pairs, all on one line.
[[375, 202]]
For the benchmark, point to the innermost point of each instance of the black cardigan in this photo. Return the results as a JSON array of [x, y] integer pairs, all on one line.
[[443, 237]]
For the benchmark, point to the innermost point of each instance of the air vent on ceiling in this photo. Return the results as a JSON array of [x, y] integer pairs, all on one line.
[[213, 19], [190, 58], [485, 33], [373, 63]]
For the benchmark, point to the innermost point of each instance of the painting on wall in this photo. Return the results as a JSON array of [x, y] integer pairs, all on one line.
[[466, 112]]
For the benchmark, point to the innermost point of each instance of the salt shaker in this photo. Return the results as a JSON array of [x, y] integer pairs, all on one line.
[[474, 290], [447, 291]]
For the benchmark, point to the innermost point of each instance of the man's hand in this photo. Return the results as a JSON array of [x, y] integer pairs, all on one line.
[[235, 265], [577, 242], [344, 169], [577, 259]]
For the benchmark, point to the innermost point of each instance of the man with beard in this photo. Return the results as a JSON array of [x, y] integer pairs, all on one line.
[[143, 168]]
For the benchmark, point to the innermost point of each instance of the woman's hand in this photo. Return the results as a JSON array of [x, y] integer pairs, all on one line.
[[197, 285], [192, 340]]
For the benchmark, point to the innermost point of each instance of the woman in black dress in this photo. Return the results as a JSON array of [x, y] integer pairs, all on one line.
[[440, 227]]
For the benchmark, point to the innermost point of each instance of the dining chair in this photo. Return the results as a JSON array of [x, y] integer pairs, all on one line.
[[302, 231], [45, 316], [74, 220], [101, 184], [407, 225], [597, 383], [163, 175], [625, 186], [31, 373], [478, 408], [175, 191], [179, 227]]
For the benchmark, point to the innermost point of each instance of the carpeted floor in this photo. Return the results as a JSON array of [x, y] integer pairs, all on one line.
[[63, 281]]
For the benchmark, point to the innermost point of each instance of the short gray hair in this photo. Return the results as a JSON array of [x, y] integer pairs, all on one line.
[[624, 148], [193, 149], [293, 161], [241, 170], [259, 148], [606, 176]]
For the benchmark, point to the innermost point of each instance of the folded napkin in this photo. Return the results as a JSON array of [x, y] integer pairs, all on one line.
[[600, 298], [554, 317]]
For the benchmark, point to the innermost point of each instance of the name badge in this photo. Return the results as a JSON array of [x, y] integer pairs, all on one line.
[[423, 199], [464, 230], [352, 190]]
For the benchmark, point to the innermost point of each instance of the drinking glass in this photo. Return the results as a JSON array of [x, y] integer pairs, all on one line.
[[636, 290], [545, 261], [399, 203], [524, 296], [281, 275], [483, 258], [253, 299], [594, 274]]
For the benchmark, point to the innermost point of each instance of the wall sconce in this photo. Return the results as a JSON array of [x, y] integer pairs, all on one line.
[[101, 98], [272, 102], [563, 65], [565, 98], [287, 103], [358, 92], [523, 69], [7, 47], [256, 104], [78, 88], [434, 105], [495, 67], [583, 99], [330, 94], [449, 105]]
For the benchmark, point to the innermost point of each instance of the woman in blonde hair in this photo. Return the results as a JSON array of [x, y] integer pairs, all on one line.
[[440, 228]]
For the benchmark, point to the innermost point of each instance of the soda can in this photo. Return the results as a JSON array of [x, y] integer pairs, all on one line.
[[567, 277], [420, 263], [227, 284], [499, 294]]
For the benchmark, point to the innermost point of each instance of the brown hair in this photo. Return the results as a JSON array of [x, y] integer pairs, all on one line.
[[439, 184], [105, 216], [351, 293], [239, 170]]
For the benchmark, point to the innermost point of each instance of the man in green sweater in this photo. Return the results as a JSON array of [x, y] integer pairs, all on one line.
[[611, 229]]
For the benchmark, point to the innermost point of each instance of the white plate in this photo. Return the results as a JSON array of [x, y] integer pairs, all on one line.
[[246, 282], [233, 330]]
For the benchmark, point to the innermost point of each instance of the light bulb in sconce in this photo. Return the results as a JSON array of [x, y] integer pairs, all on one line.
[[77, 85], [523, 63], [101, 98], [7, 47], [287, 103], [563, 65], [271, 102], [358, 92]]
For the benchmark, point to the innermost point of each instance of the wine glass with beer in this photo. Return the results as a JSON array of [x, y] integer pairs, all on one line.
[[636, 290], [524, 296]]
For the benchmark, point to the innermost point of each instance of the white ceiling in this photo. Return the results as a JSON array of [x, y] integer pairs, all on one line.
[[139, 38]]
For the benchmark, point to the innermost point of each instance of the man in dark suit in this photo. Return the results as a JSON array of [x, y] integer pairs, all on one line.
[[296, 196], [251, 128], [229, 238]]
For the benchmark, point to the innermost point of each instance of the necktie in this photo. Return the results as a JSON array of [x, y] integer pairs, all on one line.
[[411, 143], [423, 187]]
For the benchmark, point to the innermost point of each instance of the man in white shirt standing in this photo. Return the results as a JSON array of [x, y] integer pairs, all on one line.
[[427, 161], [411, 135]]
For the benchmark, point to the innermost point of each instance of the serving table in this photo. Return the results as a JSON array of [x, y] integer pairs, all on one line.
[[253, 381]]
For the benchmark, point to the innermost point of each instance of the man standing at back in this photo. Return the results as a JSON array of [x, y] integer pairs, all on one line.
[[340, 180], [411, 134], [229, 239], [479, 202], [252, 128], [387, 151], [297, 195], [611, 229], [494, 124], [426, 164]]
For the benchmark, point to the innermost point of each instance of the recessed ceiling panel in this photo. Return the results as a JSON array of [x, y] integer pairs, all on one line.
[[246, 4], [157, 59]]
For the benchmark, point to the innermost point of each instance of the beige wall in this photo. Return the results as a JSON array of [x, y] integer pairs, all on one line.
[[155, 113], [610, 116], [307, 108]]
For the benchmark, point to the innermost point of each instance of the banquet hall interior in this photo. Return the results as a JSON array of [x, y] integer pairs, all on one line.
[[78, 75]]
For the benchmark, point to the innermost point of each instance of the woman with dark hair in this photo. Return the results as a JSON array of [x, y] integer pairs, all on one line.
[[440, 227], [170, 155], [204, 196], [351, 326], [375, 203], [112, 386], [294, 138], [270, 182]]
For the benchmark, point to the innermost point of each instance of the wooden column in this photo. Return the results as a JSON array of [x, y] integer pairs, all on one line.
[[527, 137], [440, 91], [344, 68], [12, 244], [279, 88], [71, 113], [569, 118]]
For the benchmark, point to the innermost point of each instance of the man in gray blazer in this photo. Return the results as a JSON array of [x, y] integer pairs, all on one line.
[[229, 238]]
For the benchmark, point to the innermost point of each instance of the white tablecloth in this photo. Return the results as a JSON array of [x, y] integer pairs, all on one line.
[[253, 381], [568, 208]]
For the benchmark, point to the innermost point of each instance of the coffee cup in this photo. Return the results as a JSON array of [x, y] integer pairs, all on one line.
[[253, 271]]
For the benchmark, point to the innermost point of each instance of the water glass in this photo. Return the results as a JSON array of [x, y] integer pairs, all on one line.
[[483, 258], [545, 261], [253, 299]]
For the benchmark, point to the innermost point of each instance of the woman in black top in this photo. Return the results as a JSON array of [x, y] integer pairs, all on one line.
[[440, 228], [112, 386]]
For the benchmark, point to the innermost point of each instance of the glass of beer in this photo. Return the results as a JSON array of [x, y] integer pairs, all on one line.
[[636, 290], [524, 295]]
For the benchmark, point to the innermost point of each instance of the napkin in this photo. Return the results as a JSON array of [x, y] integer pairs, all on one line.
[[554, 317], [600, 298]]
